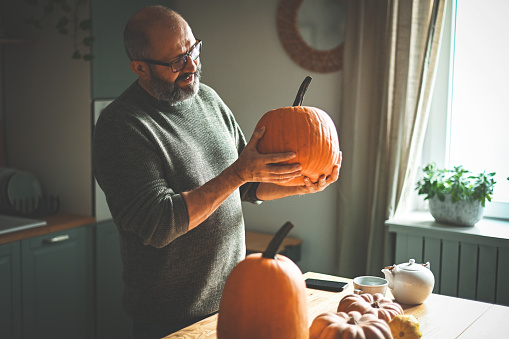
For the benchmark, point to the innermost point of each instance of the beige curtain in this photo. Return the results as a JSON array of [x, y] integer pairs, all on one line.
[[391, 50]]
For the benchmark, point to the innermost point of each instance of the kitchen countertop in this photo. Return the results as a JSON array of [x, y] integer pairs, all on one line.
[[55, 223]]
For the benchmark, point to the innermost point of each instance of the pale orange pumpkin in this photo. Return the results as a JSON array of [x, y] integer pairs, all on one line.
[[264, 297], [351, 325], [308, 131], [384, 308], [406, 327]]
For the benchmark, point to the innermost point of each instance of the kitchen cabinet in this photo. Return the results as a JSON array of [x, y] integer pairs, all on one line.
[[62, 280], [10, 293], [46, 286], [112, 322], [57, 284]]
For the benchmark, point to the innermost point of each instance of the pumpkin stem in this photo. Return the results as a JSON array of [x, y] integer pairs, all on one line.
[[352, 320], [276, 241], [302, 90]]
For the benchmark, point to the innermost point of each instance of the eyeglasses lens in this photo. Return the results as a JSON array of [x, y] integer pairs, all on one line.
[[179, 64], [195, 52]]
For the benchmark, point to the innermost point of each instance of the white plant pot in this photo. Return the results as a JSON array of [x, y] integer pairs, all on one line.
[[460, 213]]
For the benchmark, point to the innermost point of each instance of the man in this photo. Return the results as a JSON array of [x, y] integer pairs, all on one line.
[[174, 166]]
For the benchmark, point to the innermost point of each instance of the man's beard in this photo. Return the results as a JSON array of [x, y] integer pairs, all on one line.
[[171, 92]]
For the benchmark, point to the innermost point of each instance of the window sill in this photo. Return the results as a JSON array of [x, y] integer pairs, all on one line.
[[488, 231]]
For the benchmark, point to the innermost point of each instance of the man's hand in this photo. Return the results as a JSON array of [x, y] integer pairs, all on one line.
[[322, 182], [252, 166], [267, 191]]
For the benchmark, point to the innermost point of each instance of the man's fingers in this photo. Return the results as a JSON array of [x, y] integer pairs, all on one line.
[[257, 135], [335, 174], [275, 158], [289, 169], [281, 178]]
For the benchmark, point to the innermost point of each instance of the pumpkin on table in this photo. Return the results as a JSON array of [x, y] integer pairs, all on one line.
[[351, 325], [264, 297], [307, 131], [384, 308], [405, 326]]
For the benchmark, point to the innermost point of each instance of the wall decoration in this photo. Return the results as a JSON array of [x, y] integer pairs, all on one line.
[[290, 30], [69, 23]]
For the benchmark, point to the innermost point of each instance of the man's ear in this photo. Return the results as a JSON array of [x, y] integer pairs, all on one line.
[[140, 68]]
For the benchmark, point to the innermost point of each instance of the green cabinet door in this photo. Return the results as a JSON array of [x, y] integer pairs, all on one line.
[[10, 294], [57, 285], [112, 321]]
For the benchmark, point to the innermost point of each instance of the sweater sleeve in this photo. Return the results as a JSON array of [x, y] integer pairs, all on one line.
[[248, 190], [248, 193], [138, 196]]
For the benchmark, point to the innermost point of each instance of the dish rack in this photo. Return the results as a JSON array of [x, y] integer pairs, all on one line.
[[32, 208]]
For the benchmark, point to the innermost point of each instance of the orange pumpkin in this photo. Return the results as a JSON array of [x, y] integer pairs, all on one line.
[[264, 297], [384, 308], [351, 325], [308, 131]]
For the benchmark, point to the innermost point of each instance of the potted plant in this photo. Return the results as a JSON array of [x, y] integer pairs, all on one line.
[[456, 196]]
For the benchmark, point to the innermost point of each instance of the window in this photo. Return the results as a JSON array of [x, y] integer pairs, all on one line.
[[469, 117]]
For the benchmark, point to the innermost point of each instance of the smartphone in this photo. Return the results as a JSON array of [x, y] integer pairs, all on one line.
[[326, 285]]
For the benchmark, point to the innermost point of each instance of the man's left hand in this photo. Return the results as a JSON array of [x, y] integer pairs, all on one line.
[[322, 182]]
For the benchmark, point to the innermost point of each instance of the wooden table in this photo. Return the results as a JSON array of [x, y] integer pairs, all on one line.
[[440, 316]]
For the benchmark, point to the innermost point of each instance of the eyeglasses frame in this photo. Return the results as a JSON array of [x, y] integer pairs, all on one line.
[[170, 64]]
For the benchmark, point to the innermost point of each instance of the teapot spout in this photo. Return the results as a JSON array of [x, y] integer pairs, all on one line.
[[389, 276]]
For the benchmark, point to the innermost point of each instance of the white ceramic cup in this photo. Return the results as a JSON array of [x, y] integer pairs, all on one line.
[[370, 284]]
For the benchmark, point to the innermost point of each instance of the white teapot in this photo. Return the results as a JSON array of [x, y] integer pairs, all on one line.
[[410, 283]]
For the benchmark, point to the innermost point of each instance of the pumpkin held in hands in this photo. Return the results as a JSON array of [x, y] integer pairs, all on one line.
[[264, 297], [307, 131]]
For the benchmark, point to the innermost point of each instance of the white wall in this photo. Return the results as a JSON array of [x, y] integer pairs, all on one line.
[[47, 110], [246, 64]]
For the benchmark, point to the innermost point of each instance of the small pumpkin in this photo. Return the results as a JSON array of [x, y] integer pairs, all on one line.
[[405, 326], [264, 297], [307, 131], [384, 308], [351, 325]]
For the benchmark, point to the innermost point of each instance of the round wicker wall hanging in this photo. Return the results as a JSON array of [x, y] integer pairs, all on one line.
[[299, 51]]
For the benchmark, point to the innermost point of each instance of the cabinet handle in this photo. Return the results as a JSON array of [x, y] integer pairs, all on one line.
[[58, 238]]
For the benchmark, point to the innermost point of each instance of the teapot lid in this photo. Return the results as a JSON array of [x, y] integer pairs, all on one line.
[[412, 266]]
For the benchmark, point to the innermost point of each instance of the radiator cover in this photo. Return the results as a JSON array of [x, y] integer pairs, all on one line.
[[468, 262]]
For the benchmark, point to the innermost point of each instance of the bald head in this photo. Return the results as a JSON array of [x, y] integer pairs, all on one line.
[[143, 25]]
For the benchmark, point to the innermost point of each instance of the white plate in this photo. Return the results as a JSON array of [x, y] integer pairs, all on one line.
[[23, 191]]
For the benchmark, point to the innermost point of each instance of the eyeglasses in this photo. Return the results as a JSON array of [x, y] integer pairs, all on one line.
[[178, 64]]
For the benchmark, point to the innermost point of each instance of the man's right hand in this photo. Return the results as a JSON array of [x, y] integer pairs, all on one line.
[[252, 166]]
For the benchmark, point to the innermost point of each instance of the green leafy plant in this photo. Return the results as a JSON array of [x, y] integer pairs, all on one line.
[[69, 23], [459, 183]]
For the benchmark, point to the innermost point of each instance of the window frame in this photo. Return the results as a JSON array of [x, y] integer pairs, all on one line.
[[437, 139]]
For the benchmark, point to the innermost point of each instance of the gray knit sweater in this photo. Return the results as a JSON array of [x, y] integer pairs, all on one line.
[[145, 153]]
